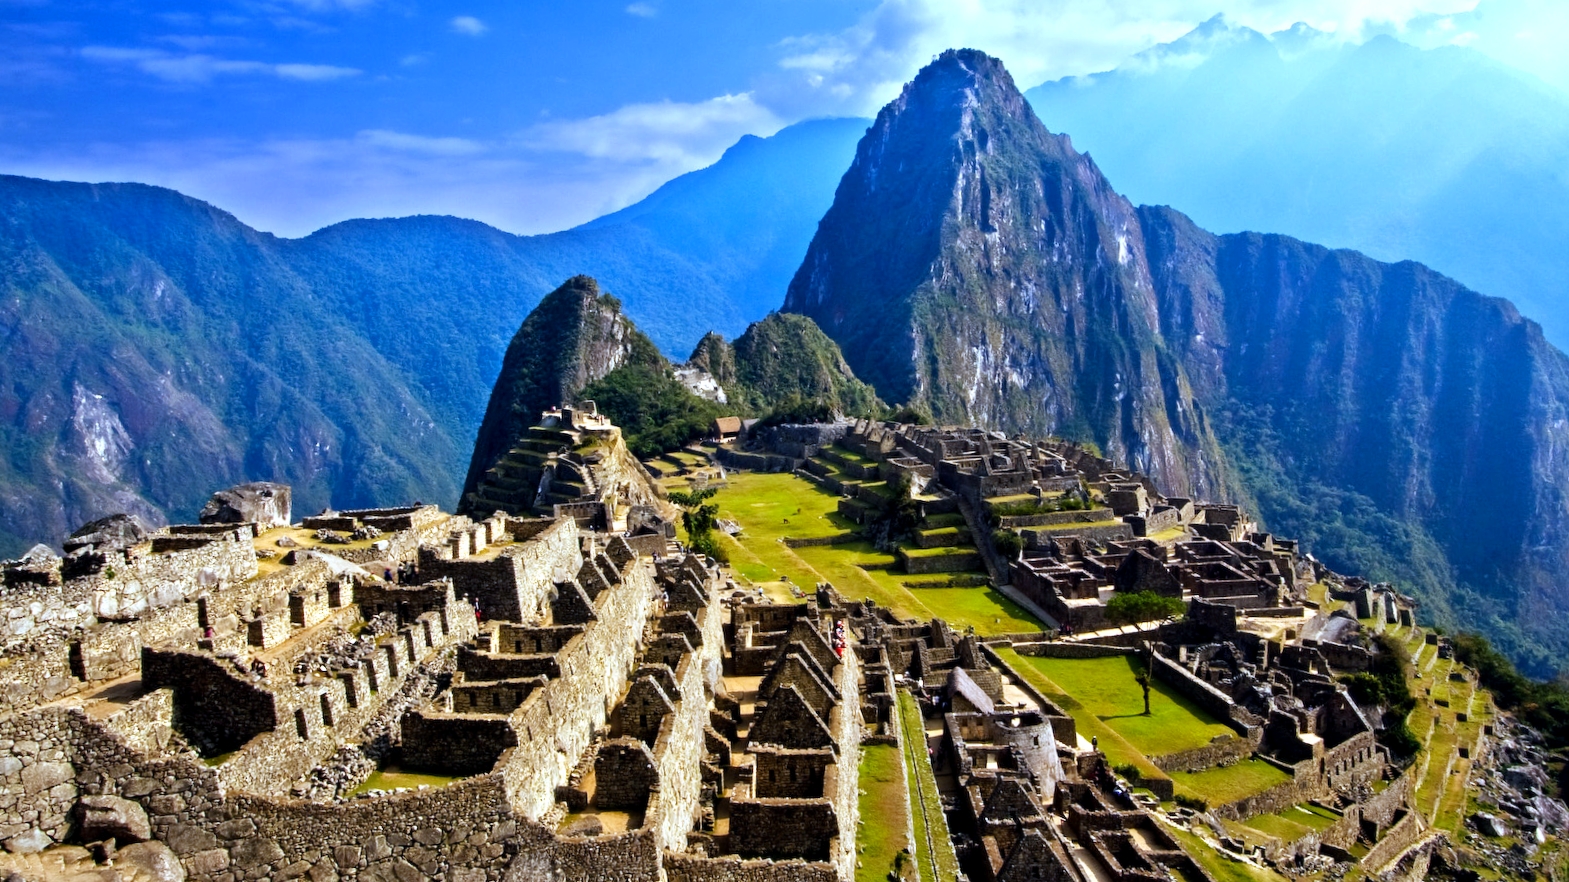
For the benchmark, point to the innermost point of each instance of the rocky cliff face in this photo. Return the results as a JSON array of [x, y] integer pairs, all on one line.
[[575, 336], [974, 264], [1392, 417], [781, 357], [1404, 426]]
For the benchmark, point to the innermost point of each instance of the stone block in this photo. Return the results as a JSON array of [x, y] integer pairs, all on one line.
[[347, 857], [138, 787], [209, 862], [240, 828], [255, 852], [42, 776], [30, 842], [189, 839], [377, 849], [112, 817], [153, 861]]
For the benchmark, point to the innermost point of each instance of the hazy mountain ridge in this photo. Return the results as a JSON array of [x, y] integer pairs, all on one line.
[[354, 363], [1442, 156], [1404, 425]]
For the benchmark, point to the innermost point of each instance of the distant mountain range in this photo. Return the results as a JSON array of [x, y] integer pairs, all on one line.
[[1443, 156], [1405, 427], [970, 262], [158, 349]]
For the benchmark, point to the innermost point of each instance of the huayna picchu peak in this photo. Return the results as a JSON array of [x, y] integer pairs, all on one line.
[[974, 264]]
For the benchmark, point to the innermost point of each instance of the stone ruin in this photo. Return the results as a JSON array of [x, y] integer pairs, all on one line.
[[242, 699]]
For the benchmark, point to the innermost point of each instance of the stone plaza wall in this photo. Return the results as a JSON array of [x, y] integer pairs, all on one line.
[[137, 599]]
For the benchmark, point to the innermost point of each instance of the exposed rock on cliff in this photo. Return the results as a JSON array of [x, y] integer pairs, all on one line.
[[572, 338], [974, 264], [1402, 425]]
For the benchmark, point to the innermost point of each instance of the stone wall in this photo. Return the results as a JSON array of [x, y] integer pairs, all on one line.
[[556, 723], [1217, 703], [695, 868], [516, 583], [1223, 749], [454, 744], [137, 599], [1066, 649]]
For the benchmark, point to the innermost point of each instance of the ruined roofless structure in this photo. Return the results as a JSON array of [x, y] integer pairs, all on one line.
[[588, 701]]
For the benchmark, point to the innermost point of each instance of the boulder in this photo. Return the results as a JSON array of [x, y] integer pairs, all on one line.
[[261, 502], [111, 817], [116, 532], [154, 859], [1489, 825]]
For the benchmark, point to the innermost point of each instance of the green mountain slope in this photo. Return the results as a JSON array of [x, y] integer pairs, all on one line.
[[158, 349]]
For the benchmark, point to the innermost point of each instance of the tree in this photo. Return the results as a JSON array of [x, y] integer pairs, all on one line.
[[896, 518], [698, 517], [1126, 608]]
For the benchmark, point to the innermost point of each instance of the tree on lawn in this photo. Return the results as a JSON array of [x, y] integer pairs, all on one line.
[[698, 517]]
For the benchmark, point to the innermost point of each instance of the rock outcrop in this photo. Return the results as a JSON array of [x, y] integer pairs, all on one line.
[[262, 503], [974, 264], [1402, 425], [573, 337]]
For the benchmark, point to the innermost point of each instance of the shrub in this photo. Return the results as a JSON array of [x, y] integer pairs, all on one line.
[[1142, 606], [1192, 802], [1008, 543]]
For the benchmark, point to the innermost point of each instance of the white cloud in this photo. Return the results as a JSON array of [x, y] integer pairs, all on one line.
[[642, 10], [447, 146], [1524, 34], [686, 135], [292, 187], [860, 68], [468, 25], [199, 68]]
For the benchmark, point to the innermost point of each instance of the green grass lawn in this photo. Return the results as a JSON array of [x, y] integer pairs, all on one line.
[[1219, 786], [1105, 690], [931, 828], [884, 808], [770, 507], [391, 778], [940, 551], [1294, 823]]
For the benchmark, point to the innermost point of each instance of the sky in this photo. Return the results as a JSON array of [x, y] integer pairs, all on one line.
[[536, 116]]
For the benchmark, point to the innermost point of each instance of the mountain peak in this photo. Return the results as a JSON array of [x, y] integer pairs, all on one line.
[[973, 264]]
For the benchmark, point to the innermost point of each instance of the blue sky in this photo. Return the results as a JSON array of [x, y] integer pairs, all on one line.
[[537, 116]]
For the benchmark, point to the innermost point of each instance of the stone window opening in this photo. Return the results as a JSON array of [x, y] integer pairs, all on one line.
[[326, 710]]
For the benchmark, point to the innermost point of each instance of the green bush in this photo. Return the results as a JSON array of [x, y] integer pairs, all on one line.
[[1142, 606], [655, 412], [1008, 543], [1192, 802]]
